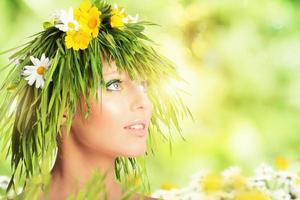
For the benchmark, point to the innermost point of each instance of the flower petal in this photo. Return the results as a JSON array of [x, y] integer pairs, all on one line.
[[62, 27], [48, 64], [43, 58], [71, 12], [31, 80], [30, 67], [34, 60], [85, 5], [40, 80], [42, 84], [37, 83], [44, 62], [27, 72]]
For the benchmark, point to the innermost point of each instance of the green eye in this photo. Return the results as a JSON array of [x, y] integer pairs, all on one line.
[[114, 85]]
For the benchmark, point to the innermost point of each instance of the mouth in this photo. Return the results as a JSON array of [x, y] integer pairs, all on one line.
[[137, 128]]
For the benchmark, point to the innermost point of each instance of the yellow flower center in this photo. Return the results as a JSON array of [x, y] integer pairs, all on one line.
[[71, 25], [93, 23], [282, 163], [40, 70], [78, 38]]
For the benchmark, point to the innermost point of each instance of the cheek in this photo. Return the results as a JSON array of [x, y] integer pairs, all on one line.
[[101, 130], [104, 130], [106, 116]]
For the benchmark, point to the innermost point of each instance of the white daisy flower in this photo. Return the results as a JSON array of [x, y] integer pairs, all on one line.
[[295, 189], [66, 21], [265, 173], [35, 73], [126, 18], [116, 7], [281, 195], [131, 19], [257, 184]]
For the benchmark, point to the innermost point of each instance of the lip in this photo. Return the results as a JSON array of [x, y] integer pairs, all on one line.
[[137, 132]]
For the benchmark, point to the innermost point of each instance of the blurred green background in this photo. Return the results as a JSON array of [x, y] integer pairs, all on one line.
[[241, 61]]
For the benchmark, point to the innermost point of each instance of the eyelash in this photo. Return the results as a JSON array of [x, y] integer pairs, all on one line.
[[144, 84], [112, 82]]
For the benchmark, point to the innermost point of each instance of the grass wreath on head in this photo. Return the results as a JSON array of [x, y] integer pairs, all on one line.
[[65, 61]]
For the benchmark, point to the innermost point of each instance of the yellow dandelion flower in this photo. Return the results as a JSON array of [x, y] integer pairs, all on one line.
[[212, 183], [116, 21], [93, 21], [282, 163], [238, 182], [118, 18], [88, 17], [77, 40], [168, 186], [251, 195]]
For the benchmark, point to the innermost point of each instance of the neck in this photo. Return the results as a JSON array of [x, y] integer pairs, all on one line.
[[74, 167]]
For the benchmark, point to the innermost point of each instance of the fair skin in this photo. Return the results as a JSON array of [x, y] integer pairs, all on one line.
[[108, 133]]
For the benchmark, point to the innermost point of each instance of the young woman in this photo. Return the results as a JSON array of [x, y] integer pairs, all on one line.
[[87, 94], [117, 127]]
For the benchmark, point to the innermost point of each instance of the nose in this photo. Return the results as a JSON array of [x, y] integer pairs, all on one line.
[[140, 99]]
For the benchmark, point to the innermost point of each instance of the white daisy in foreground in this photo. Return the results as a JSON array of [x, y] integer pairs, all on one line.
[[35, 73], [66, 21]]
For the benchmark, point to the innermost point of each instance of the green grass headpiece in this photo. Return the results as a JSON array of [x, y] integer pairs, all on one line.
[[65, 61]]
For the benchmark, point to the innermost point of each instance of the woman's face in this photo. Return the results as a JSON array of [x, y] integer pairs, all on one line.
[[119, 120]]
